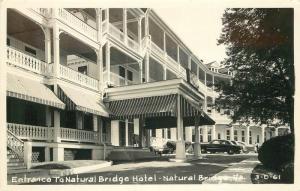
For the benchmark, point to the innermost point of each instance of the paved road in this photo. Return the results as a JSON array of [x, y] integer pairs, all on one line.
[[157, 172]]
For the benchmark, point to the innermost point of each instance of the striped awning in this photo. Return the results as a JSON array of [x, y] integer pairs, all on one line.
[[157, 107], [31, 90], [82, 101]]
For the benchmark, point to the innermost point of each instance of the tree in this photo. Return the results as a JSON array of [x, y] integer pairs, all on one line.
[[260, 50]]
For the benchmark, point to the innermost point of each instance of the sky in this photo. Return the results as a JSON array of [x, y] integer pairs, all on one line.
[[198, 27]]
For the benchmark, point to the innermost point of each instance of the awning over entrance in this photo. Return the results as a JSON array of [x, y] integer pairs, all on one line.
[[159, 111], [82, 101], [31, 90]]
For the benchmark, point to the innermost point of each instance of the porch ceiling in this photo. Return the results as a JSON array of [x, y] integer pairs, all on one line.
[[117, 57], [24, 29]]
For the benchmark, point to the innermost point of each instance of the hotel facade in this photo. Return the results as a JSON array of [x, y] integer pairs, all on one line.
[[88, 83]]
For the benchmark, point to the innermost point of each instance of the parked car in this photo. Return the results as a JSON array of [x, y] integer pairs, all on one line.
[[167, 148], [221, 146], [246, 148]]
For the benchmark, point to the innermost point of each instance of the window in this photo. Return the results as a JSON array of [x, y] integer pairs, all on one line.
[[169, 133], [8, 42], [201, 135], [82, 69], [243, 136], [129, 75], [209, 135], [153, 132], [265, 137], [257, 139], [30, 50], [228, 134], [163, 133], [250, 137], [235, 135], [122, 71], [219, 135]]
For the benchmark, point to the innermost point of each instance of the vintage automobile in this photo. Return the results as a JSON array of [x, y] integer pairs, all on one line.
[[220, 146], [246, 148]]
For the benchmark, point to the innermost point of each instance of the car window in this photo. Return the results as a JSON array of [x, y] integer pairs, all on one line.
[[215, 142]]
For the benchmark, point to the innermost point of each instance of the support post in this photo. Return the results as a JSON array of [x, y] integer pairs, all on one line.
[[262, 137], [99, 24], [125, 25], [100, 66], [141, 134], [232, 133], [205, 134], [126, 133], [57, 135], [56, 50], [58, 153], [141, 71], [107, 60], [47, 154], [197, 146], [27, 154], [147, 76], [213, 132], [180, 144], [47, 45], [247, 134], [140, 31]]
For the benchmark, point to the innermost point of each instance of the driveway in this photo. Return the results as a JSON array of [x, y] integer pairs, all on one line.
[[157, 172]]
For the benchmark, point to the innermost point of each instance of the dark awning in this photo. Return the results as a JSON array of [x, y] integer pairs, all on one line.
[[158, 111]]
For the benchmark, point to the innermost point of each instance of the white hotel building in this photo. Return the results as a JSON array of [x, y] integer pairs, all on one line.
[[87, 83]]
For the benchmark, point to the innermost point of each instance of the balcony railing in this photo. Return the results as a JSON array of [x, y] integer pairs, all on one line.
[[77, 77], [25, 61], [74, 22], [117, 80], [119, 35], [30, 132], [67, 134], [157, 49]]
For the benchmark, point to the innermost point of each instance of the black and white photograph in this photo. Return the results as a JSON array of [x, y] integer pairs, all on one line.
[[126, 95]]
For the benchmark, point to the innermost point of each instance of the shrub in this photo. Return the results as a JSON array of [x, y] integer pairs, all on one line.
[[287, 173], [277, 152]]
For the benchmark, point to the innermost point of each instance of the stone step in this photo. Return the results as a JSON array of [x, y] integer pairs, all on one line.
[[13, 168]]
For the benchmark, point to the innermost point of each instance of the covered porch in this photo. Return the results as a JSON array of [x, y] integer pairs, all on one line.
[[157, 105]]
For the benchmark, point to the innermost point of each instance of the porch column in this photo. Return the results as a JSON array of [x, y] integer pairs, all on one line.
[[140, 31], [125, 24], [180, 144], [197, 146], [141, 71], [79, 120], [188, 134], [213, 132], [232, 133], [56, 50], [247, 134], [100, 66], [205, 79], [99, 23], [57, 135], [107, 60], [136, 130], [126, 133], [147, 24], [262, 137], [27, 153], [205, 133], [100, 130], [47, 45], [58, 153], [147, 77], [47, 154], [165, 72], [165, 49], [115, 132]]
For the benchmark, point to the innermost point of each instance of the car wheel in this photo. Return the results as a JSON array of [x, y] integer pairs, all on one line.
[[230, 151]]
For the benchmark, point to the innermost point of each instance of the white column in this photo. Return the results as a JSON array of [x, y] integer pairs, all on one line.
[[125, 25], [232, 133], [47, 154], [107, 60], [205, 133], [205, 79], [147, 76], [27, 153], [126, 133], [180, 144], [213, 132], [247, 134], [147, 24], [56, 126], [100, 66], [56, 50], [58, 153], [197, 146], [165, 72], [141, 71], [165, 47], [99, 24], [115, 132], [47, 45], [140, 31]]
